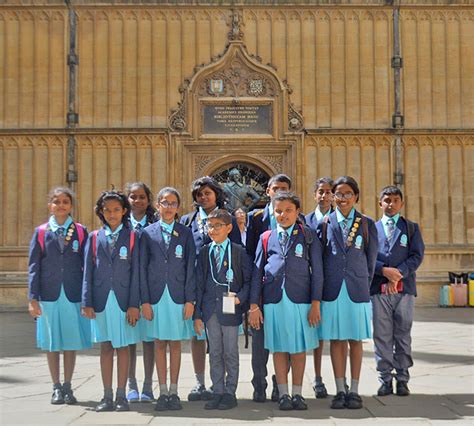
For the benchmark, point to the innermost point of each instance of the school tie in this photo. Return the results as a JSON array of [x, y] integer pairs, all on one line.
[[217, 257], [138, 227], [283, 238], [112, 241], [390, 229], [166, 236], [345, 229]]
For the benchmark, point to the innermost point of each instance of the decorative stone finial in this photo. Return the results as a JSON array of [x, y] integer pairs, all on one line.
[[235, 32]]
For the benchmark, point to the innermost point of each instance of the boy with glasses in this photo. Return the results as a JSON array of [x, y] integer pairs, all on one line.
[[223, 281]]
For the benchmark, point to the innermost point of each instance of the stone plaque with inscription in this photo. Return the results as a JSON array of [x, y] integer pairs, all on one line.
[[237, 119]]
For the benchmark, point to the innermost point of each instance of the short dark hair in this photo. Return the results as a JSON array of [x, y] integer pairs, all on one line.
[[279, 178], [286, 196], [322, 181], [221, 214], [348, 180], [391, 190], [213, 185], [112, 195]]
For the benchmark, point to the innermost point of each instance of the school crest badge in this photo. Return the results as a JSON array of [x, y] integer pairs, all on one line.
[[299, 250], [75, 246], [358, 242], [178, 251], [404, 240], [123, 253]]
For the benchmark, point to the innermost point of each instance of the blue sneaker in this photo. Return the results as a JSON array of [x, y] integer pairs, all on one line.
[[133, 395], [147, 396]]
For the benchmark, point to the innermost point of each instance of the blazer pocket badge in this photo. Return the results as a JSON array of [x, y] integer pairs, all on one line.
[[123, 253], [178, 251], [75, 246], [299, 250], [404, 240], [358, 242]]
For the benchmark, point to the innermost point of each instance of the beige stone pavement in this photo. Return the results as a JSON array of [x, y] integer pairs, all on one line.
[[442, 383]]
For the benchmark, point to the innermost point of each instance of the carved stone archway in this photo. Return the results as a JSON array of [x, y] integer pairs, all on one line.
[[235, 108]]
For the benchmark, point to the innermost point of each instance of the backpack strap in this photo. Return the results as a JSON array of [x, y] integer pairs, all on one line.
[[325, 230], [94, 245], [410, 228], [132, 241], [190, 218], [265, 237], [42, 235], [308, 238], [365, 231], [80, 232]]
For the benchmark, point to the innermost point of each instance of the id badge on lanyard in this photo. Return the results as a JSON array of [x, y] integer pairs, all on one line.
[[228, 298]]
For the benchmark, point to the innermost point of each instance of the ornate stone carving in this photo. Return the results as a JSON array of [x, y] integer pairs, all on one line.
[[295, 120], [235, 32], [200, 163], [238, 80], [177, 118], [276, 161]]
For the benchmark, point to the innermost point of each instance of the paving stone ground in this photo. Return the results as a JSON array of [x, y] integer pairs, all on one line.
[[442, 383]]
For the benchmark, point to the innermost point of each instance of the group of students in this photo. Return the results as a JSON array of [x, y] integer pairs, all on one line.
[[146, 276]]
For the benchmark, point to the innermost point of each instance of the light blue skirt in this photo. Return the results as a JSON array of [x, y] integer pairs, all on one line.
[[111, 325], [343, 319], [61, 326], [287, 328], [168, 322]]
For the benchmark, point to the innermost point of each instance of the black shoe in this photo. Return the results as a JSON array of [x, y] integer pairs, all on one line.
[[353, 401], [285, 403], [207, 394], [69, 398], [121, 404], [174, 402], [213, 404], [259, 395], [105, 405], [196, 393], [57, 398], [320, 391], [228, 401], [161, 403], [298, 403], [339, 401], [385, 389], [402, 389], [275, 391]]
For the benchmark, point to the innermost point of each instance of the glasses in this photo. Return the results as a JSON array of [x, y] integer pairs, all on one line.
[[215, 226], [166, 205], [341, 196]]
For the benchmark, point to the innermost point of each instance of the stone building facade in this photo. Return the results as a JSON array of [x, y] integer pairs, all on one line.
[[98, 93]]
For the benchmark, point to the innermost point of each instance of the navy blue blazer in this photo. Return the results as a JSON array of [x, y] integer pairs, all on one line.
[[209, 294], [258, 221], [355, 265], [312, 221], [49, 269], [405, 254], [174, 266], [299, 271], [203, 239], [115, 271]]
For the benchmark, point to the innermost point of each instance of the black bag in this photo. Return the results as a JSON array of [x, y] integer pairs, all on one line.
[[462, 277]]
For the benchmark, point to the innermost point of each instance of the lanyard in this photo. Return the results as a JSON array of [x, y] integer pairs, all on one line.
[[229, 274]]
